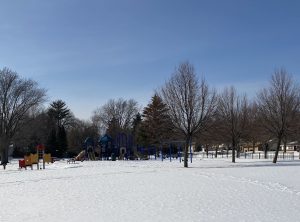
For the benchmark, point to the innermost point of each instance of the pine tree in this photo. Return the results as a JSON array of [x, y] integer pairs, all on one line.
[[156, 125], [137, 132], [59, 112], [51, 145], [60, 117], [62, 142]]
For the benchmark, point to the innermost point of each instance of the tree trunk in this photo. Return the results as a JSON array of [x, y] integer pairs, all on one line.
[[233, 151], [284, 146], [206, 150], [186, 151], [4, 150], [266, 146], [253, 147], [277, 149], [216, 153]]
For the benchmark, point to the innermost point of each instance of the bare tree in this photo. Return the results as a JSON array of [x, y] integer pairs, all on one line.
[[17, 97], [191, 104], [35, 130], [255, 133], [233, 113], [278, 106], [78, 132], [121, 111]]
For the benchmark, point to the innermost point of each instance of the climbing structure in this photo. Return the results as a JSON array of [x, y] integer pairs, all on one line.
[[89, 149], [40, 150]]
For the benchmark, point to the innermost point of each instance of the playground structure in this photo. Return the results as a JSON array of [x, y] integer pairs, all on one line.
[[88, 152], [80, 156], [107, 148], [120, 147], [89, 148], [40, 157]]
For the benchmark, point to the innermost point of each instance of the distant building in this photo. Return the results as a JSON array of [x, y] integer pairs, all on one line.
[[250, 147], [291, 146]]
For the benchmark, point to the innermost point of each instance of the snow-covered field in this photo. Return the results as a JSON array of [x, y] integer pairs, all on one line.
[[210, 190]]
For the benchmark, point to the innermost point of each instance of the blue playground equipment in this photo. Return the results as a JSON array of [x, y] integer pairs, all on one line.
[[89, 149], [107, 147], [121, 146]]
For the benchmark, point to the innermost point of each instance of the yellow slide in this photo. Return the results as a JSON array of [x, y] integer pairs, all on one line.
[[80, 156]]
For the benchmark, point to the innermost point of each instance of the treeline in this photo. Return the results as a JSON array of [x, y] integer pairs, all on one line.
[[185, 108]]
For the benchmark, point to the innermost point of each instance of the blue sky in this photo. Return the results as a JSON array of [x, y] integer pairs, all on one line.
[[86, 52]]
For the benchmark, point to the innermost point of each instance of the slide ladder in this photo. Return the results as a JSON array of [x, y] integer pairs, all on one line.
[[40, 151]]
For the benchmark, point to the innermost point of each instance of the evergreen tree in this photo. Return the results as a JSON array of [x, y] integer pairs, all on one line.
[[156, 126], [51, 145], [60, 116], [137, 132], [62, 142], [59, 112]]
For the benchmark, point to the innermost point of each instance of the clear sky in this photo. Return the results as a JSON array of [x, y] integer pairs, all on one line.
[[86, 52]]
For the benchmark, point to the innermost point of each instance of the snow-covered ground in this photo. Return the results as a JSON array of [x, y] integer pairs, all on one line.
[[210, 190]]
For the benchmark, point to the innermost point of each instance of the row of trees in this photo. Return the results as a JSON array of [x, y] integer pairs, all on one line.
[[185, 108]]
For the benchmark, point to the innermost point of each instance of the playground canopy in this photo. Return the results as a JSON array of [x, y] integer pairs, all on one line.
[[105, 139]]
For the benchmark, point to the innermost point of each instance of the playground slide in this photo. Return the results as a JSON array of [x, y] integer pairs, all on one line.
[[80, 156], [91, 156]]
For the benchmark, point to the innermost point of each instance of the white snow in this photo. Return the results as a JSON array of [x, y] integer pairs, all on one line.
[[210, 190]]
